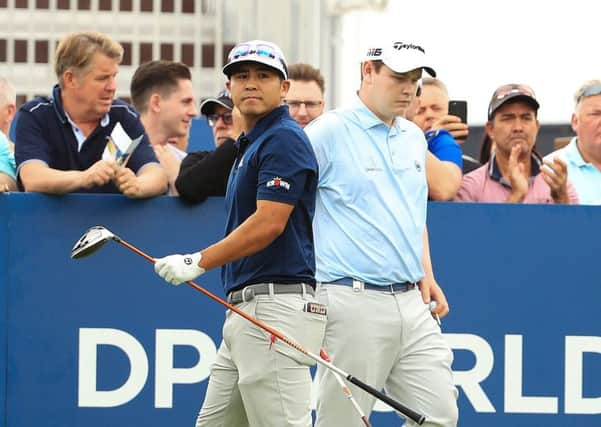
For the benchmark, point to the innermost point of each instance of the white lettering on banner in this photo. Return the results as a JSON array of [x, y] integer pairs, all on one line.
[[574, 402], [166, 375], [87, 393], [514, 400], [470, 379]]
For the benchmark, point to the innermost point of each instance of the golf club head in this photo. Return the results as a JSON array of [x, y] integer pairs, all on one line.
[[91, 241]]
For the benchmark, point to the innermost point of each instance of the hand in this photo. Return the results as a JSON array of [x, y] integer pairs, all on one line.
[[555, 174], [99, 173], [168, 161], [454, 126], [517, 176], [127, 182], [432, 292], [177, 268], [238, 124]]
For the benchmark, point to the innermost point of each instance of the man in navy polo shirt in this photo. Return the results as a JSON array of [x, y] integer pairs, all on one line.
[[267, 255], [61, 139]]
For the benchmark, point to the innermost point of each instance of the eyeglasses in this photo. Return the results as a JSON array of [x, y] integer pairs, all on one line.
[[510, 89], [226, 117], [589, 91], [294, 105]]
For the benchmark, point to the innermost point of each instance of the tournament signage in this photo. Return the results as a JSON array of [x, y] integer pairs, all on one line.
[[103, 341]]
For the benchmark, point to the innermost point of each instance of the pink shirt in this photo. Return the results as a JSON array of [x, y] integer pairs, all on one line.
[[480, 186]]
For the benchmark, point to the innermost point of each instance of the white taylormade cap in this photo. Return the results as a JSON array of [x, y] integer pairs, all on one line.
[[400, 56]]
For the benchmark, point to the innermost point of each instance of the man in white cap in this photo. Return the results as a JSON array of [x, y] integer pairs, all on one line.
[[267, 257], [371, 247]]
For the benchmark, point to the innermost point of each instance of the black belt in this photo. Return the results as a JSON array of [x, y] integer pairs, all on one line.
[[249, 292], [392, 287]]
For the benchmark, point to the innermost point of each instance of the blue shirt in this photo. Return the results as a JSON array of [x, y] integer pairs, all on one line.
[[7, 160], [275, 162], [442, 144], [372, 194], [45, 133], [585, 177]]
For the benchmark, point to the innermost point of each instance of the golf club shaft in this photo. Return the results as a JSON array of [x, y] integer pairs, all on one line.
[[418, 418]]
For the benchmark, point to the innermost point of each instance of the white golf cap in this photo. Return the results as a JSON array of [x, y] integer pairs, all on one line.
[[259, 51], [399, 56]]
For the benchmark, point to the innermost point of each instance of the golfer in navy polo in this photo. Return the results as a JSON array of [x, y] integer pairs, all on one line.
[[62, 138], [267, 255]]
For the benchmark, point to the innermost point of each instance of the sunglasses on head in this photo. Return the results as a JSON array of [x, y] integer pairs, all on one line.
[[589, 91], [247, 49]]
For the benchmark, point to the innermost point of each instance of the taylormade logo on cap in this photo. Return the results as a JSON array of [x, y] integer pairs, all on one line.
[[401, 45], [400, 56]]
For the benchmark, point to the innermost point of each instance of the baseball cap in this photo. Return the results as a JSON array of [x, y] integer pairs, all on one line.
[[207, 106], [399, 56], [511, 92], [260, 51]]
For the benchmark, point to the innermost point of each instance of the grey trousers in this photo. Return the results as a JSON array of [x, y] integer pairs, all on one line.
[[391, 342], [256, 382]]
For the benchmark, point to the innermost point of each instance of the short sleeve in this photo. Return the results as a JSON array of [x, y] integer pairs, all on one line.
[[7, 161], [286, 163], [31, 143]]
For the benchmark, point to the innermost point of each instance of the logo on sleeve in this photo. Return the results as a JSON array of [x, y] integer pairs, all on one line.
[[278, 182]]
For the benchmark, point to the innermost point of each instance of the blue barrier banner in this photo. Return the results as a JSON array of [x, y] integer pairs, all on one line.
[[103, 341]]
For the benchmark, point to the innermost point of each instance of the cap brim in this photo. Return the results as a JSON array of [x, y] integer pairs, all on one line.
[[405, 67], [208, 105], [515, 98], [228, 69]]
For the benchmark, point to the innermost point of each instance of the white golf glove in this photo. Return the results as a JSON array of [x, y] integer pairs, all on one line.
[[177, 269]]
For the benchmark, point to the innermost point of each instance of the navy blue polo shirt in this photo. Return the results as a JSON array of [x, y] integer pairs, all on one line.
[[44, 133], [275, 162]]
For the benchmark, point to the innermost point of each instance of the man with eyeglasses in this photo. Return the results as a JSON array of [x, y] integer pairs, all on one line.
[[205, 173], [515, 172], [267, 256], [583, 154], [371, 246], [305, 97]]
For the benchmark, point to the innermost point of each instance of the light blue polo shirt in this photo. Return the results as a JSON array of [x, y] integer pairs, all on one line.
[[7, 160], [585, 177], [372, 194]]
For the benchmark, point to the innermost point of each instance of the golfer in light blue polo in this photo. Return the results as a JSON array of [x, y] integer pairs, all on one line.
[[371, 247]]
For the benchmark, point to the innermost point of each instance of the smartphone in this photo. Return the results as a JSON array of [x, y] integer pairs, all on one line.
[[459, 109]]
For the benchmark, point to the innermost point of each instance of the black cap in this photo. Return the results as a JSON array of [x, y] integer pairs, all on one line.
[[208, 105], [511, 92]]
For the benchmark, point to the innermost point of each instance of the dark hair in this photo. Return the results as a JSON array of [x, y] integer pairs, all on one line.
[[306, 73], [156, 76], [376, 64]]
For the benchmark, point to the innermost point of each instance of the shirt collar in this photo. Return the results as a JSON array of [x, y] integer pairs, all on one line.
[[62, 114], [495, 172], [261, 126], [367, 119], [572, 153]]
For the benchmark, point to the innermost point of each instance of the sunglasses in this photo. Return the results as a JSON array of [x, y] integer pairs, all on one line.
[[589, 91], [511, 89], [226, 117], [247, 49]]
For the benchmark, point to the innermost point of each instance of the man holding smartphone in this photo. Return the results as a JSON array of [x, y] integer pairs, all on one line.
[[444, 160]]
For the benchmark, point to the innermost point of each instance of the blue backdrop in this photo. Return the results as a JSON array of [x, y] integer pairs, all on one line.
[[102, 341]]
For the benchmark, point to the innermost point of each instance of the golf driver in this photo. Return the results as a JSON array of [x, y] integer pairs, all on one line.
[[97, 236]]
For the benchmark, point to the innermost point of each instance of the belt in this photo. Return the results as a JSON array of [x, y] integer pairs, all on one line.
[[249, 292], [357, 285]]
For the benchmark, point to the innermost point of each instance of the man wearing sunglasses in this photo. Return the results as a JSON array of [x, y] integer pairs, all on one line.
[[583, 153], [205, 173], [371, 246], [267, 256], [515, 172]]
